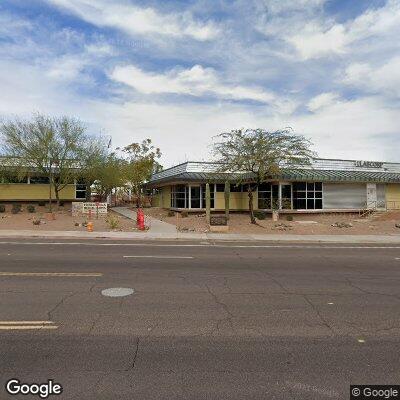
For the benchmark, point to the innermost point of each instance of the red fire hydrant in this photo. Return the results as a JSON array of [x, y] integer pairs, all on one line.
[[140, 219]]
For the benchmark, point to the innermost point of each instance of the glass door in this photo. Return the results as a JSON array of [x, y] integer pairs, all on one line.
[[195, 197], [286, 197], [282, 200]]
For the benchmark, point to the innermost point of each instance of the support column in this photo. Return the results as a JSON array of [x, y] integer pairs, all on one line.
[[280, 196]]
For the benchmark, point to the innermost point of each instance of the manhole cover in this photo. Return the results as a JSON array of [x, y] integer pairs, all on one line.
[[117, 292]]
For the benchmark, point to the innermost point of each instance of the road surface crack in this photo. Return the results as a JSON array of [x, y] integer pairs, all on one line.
[[132, 366], [228, 313], [62, 301], [354, 286], [318, 313]]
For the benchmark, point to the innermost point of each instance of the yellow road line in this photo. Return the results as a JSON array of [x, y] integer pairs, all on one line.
[[26, 327], [25, 322], [70, 274]]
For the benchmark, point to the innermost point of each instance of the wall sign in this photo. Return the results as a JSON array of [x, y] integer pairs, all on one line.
[[368, 164]]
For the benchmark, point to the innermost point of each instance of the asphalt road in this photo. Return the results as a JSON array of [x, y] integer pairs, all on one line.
[[205, 321]]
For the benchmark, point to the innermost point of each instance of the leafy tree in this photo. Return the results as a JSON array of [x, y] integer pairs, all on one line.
[[93, 157], [260, 154], [109, 175], [141, 163], [46, 145], [67, 137]]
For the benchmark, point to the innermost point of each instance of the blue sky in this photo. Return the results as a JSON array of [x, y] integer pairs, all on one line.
[[182, 71]]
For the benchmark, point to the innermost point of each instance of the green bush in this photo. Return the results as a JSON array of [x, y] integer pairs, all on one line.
[[113, 222], [289, 218], [260, 215], [16, 208], [31, 208], [2, 208]]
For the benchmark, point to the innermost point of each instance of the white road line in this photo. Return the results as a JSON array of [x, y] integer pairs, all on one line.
[[25, 322], [300, 246], [161, 257], [26, 327], [50, 274]]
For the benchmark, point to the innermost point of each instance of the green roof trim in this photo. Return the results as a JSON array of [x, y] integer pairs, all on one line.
[[287, 174]]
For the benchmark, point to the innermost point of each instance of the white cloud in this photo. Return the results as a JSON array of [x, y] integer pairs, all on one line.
[[66, 68], [320, 36], [322, 100], [314, 41], [196, 81], [136, 20], [384, 79]]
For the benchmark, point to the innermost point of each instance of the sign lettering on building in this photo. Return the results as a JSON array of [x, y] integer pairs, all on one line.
[[368, 164]]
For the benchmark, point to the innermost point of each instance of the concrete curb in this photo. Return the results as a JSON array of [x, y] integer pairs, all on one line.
[[371, 239]]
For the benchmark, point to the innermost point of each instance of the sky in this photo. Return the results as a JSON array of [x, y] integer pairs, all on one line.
[[182, 71]]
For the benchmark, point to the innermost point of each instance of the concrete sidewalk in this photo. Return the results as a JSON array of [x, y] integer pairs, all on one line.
[[156, 226], [148, 235]]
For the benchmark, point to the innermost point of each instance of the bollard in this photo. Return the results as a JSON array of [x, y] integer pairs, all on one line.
[[90, 226], [140, 219]]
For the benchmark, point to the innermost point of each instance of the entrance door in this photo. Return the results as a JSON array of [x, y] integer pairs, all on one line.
[[372, 196], [286, 197], [195, 197]]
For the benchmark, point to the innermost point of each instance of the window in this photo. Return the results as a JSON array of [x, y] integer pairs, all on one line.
[[264, 196], [235, 188], [80, 191], [203, 190], [220, 187], [307, 195], [13, 179], [179, 196], [42, 180]]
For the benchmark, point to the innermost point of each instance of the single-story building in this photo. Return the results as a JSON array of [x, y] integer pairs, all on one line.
[[327, 185], [33, 186], [34, 189]]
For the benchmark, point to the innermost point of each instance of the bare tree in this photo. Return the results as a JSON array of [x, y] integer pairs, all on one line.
[[45, 146], [260, 155]]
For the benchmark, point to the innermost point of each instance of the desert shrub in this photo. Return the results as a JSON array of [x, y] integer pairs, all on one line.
[[2, 208], [41, 203], [36, 221], [16, 208], [260, 215], [184, 214], [112, 222], [289, 218], [171, 213], [31, 208]]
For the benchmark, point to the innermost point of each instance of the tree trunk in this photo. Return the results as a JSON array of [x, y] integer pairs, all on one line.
[[251, 209], [227, 194], [50, 196], [208, 203], [88, 192], [57, 193], [138, 198]]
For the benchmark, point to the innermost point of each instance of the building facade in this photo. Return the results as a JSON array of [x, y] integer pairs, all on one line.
[[327, 185]]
